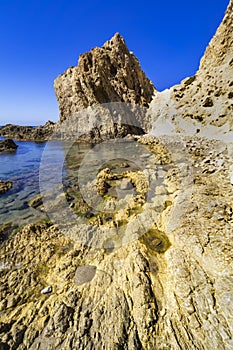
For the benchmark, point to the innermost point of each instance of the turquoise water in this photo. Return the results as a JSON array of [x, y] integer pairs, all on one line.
[[53, 167], [22, 168]]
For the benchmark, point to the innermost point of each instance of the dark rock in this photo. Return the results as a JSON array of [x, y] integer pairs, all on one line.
[[7, 145], [4, 346]]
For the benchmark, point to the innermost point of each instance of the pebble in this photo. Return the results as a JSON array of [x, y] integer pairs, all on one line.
[[46, 290], [84, 274]]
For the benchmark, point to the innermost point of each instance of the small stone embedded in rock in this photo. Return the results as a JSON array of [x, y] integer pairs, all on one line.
[[47, 290], [84, 274], [126, 184]]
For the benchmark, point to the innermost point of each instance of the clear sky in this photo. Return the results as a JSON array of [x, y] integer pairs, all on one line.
[[40, 39]]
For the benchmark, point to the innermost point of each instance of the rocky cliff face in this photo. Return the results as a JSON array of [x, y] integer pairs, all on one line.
[[107, 74], [204, 102]]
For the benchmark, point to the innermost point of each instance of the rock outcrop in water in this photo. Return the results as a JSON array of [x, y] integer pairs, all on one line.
[[5, 186], [7, 145], [108, 74]]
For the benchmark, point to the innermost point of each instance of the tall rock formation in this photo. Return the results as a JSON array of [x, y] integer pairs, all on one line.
[[108, 74]]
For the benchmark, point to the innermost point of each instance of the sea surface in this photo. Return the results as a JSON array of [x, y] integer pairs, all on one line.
[[23, 168], [50, 168]]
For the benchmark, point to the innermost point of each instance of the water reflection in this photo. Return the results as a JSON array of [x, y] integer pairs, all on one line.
[[23, 167]]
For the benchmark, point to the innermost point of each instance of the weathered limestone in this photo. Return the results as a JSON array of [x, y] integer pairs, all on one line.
[[202, 104], [171, 288], [167, 286], [28, 133], [108, 74], [7, 145]]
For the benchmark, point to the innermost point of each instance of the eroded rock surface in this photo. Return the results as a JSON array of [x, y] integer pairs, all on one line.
[[203, 103], [108, 74], [7, 145], [168, 288], [153, 276]]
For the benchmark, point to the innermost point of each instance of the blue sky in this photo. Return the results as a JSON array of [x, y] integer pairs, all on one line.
[[40, 39]]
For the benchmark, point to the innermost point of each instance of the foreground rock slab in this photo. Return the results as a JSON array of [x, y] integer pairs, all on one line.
[[171, 288]]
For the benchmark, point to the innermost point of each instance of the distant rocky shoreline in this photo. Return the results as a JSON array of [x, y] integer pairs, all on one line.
[[27, 133]]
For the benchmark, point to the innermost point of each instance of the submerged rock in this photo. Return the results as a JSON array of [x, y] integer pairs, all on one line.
[[36, 201], [5, 231], [5, 186]]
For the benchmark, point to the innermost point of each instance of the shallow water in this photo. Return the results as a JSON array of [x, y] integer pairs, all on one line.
[[23, 169], [41, 168], [46, 168]]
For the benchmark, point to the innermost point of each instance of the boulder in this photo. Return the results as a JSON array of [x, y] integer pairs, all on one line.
[[7, 145]]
